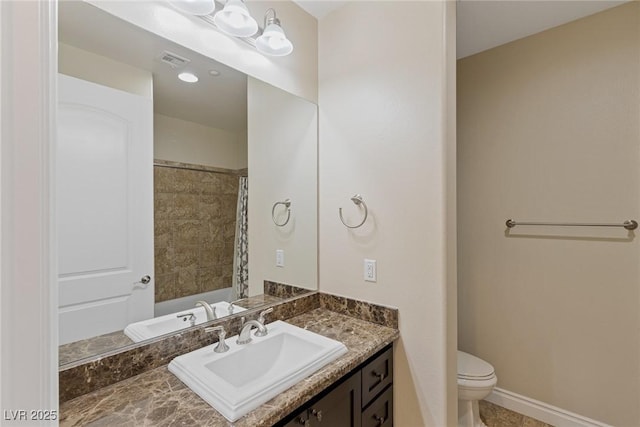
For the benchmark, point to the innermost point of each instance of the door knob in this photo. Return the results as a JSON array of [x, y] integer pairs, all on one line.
[[142, 283], [144, 280]]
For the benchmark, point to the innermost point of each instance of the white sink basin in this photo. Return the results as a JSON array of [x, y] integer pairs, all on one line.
[[169, 323], [243, 378]]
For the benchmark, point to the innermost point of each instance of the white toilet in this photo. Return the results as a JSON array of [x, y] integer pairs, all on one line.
[[476, 379]]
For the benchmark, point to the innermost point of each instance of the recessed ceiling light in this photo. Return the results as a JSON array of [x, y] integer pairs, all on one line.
[[188, 77], [214, 73]]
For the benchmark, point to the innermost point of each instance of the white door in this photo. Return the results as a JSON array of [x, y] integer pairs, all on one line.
[[104, 205]]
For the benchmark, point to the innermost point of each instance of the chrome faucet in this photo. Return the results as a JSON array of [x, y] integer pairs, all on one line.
[[245, 333], [211, 311], [222, 346]]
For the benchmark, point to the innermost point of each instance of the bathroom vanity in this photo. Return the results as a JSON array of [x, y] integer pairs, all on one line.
[[354, 390], [362, 398]]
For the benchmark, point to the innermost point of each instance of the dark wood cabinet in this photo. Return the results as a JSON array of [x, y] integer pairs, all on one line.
[[340, 407], [363, 398]]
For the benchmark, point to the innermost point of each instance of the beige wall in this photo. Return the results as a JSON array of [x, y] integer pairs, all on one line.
[[283, 159], [187, 142], [296, 73], [548, 130], [105, 71], [451, 247], [384, 134]]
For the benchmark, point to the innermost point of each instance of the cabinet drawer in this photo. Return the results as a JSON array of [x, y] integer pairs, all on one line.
[[376, 376], [380, 412]]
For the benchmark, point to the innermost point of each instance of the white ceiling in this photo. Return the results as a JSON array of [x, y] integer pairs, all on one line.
[[219, 102], [320, 8], [484, 24], [222, 101]]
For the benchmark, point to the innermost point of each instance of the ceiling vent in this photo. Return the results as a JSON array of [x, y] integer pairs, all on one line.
[[175, 61]]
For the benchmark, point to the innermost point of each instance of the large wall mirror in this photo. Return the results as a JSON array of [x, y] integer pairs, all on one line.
[[171, 192]]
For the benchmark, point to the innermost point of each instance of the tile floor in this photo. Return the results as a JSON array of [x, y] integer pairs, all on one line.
[[497, 416]]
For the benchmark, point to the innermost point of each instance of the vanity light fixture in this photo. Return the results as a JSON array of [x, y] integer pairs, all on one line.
[[235, 20], [194, 7], [273, 41], [188, 77]]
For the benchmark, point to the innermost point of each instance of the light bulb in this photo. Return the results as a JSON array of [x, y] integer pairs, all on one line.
[[235, 19], [273, 41], [276, 43], [194, 7]]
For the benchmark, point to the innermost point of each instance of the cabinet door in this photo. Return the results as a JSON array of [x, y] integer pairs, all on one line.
[[380, 412], [340, 408]]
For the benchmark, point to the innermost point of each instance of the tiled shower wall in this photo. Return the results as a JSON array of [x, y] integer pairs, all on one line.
[[195, 218]]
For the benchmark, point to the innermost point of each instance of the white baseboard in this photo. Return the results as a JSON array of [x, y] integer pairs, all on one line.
[[540, 410]]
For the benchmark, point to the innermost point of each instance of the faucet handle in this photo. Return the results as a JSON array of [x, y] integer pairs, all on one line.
[[261, 318], [231, 307], [222, 346], [188, 316]]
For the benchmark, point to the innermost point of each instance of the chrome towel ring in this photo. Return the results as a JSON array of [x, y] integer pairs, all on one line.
[[357, 199], [287, 204]]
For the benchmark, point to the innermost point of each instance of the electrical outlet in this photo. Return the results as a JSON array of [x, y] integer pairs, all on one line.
[[279, 258], [370, 270]]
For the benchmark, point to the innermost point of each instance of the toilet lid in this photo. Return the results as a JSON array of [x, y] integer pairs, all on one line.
[[473, 367]]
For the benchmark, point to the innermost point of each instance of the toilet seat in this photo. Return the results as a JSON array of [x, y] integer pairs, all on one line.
[[472, 378], [473, 368]]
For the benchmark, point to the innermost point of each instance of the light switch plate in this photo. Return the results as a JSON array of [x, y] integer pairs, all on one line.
[[279, 258]]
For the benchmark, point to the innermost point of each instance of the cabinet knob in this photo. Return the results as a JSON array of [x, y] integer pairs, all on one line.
[[380, 420], [380, 376], [317, 414], [304, 422]]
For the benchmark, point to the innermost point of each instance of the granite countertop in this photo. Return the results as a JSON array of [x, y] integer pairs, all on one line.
[[71, 352], [158, 398]]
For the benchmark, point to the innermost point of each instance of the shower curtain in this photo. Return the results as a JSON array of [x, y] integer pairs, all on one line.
[[241, 246]]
